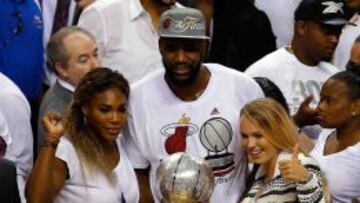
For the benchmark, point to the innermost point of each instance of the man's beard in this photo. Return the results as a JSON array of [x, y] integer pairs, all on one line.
[[194, 72]]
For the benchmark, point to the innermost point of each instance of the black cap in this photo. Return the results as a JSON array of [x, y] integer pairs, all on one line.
[[329, 12]]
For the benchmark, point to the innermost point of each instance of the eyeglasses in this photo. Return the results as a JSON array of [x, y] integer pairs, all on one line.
[[15, 23], [353, 67]]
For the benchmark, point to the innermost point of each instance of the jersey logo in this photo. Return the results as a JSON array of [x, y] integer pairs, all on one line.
[[215, 111], [332, 7], [216, 135], [177, 133]]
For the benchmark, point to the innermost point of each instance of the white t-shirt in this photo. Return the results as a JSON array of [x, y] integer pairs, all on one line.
[[281, 16], [127, 40], [95, 188], [160, 124], [16, 110], [346, 41], [296, 80], [341, 169]]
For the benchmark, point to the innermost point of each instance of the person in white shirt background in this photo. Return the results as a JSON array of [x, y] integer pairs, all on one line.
[[127, 33], [338, 147], [16, 110], [9, 191], [301, 68], [348, 36]]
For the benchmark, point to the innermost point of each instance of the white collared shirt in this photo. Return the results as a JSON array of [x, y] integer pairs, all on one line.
[[66, 85], [16, 111], [127, 40]]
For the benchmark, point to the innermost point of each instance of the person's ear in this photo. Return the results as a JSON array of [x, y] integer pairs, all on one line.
[[61, 70], [85, 110], [301, 27], [355, 108]]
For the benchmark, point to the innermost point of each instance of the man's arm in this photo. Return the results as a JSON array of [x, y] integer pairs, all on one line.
[[144, 185]]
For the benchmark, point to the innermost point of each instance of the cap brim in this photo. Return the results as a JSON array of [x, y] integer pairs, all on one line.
[[184, 36], [337, 22]]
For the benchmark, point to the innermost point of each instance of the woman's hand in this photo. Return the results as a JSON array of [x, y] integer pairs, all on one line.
[[293, 169], [52, 122], [49, 173]]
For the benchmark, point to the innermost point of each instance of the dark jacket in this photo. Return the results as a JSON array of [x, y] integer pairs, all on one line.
[[9, 192], [242, 34]]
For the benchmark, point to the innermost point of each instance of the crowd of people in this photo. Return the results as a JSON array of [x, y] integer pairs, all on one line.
[[96, 94]]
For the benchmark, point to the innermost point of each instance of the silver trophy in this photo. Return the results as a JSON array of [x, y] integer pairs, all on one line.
[[183, 178]]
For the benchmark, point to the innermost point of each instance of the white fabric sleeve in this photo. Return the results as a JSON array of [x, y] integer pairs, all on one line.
[[66, 152], [137, 159], [134, 154], [20, 151]]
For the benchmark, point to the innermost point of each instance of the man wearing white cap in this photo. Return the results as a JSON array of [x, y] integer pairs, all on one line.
[[188, 106]]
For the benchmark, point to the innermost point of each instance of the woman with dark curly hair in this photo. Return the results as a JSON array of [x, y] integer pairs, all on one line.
[[87, 164]]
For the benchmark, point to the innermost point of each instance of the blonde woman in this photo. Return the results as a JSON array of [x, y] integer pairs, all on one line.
[[285, 174]]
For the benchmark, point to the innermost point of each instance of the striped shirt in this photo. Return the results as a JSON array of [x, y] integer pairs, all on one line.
[[279, 189]]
